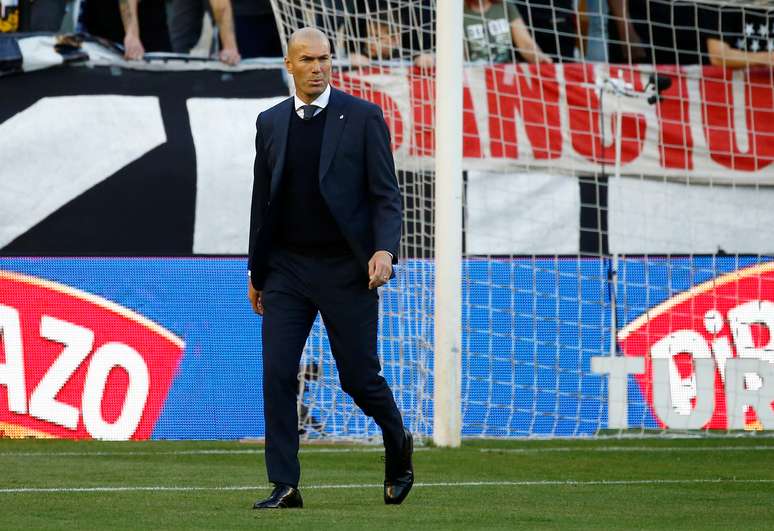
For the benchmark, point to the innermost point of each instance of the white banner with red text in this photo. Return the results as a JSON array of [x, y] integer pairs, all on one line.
[[710, 124]]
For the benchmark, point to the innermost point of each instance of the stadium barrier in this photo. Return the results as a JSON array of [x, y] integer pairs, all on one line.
[[145, 347]]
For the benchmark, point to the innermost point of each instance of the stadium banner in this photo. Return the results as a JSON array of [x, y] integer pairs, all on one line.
[[522, 213], [710, 124], [167, 348], [113, 161], [178, 146], [656, 217]]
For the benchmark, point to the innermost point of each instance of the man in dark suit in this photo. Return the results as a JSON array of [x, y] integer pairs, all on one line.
[[324, 233]]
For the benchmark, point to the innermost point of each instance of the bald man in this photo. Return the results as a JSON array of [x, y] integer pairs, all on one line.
[[324, 233]]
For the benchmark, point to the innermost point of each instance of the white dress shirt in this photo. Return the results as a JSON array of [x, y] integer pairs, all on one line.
[[320, 102]]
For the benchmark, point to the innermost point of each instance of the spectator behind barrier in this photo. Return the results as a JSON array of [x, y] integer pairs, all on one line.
[[387, 31], [492, 30], [553, 25], [12, 17], [256, 28], [660, 32], [690, 32], [613, 33], [31, 15], [47, 15], [627, 24], [185, 26], [737, 37], [596, 13], [140, 27]]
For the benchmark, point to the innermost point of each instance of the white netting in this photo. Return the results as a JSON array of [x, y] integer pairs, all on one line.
[[570, 237]]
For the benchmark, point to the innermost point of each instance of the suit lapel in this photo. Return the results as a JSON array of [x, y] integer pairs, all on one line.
[[280, 136], [334, 125]]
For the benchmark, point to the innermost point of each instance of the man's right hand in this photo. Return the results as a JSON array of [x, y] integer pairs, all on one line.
[[133, 48], [255, 297]]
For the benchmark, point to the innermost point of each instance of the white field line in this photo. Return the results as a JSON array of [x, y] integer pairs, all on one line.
[[538, 483], [760, 448], [256, 451], [379, 449]]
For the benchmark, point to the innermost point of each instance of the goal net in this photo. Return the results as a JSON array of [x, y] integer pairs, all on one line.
[[617, 270]]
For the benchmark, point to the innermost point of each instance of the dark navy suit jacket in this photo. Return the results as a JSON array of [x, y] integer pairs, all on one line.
[[357, 178]]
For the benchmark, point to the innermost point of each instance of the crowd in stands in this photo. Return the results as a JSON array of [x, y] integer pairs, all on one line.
[[619, 31], [245, 28], [496, 31]]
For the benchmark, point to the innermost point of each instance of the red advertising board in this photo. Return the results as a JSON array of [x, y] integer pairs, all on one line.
[[727, 317], [75, 365]]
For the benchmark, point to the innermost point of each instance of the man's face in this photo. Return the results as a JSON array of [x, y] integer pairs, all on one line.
[[309, 62]]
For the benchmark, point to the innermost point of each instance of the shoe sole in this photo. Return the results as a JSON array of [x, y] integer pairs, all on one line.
[[277, 508], [398, 501]]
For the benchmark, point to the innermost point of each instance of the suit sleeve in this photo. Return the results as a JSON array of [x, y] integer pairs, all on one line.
[[261, 184], [385, 197]]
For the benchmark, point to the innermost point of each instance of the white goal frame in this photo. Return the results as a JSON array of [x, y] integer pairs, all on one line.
[[447, 398]]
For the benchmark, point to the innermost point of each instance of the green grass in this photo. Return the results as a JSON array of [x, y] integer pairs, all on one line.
[[651, 483]]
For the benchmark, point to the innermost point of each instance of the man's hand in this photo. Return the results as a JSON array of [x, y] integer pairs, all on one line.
[[256, 298], [230, 56], [224, 19], [379, 269], [541, 57], [133, 48], [424, 60], [358, 59]]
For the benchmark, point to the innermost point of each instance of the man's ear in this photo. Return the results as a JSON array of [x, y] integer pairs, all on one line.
[[288, 65]]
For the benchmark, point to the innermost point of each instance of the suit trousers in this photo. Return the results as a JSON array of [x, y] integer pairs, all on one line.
[[296, 288]]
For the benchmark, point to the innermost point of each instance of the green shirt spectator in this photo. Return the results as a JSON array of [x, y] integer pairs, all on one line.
[[494, 32]]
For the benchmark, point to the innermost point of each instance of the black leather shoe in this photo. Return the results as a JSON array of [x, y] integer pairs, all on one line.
[[282, 497], [399, 472]]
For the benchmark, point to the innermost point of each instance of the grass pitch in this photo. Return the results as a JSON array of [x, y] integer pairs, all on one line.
[[650, 483]]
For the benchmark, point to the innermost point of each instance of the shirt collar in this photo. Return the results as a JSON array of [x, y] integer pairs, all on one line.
[[321, 101]]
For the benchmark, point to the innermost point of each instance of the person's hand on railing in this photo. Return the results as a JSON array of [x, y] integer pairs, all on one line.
[[424, 60], [358, 59], [133, 48], [230, 56]]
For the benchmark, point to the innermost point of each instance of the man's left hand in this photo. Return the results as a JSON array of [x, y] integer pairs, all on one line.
[[379, 269]]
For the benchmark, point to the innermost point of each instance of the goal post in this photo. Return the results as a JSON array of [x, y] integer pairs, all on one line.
[[447, 374], [585, 247]]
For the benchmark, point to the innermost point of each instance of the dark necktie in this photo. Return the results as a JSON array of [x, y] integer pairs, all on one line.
[[308, 111]]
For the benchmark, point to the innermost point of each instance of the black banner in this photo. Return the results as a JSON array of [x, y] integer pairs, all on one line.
[[148, 206]]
